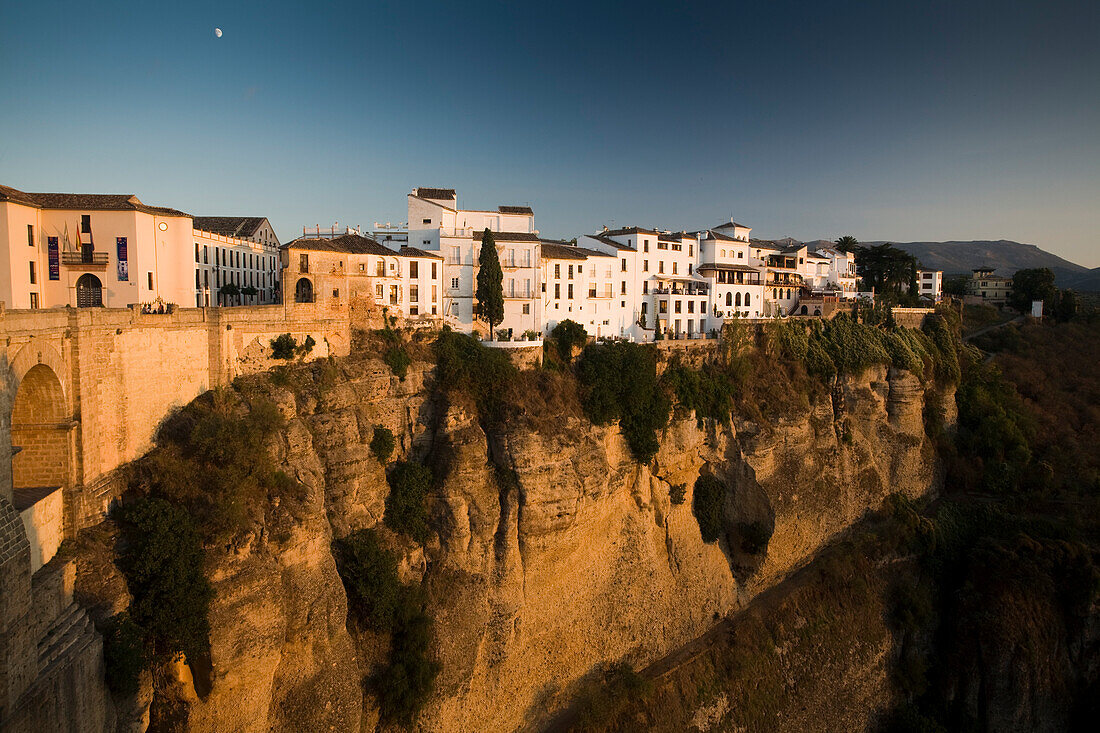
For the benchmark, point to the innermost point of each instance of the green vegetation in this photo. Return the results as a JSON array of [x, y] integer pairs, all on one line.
[[892, 272], [608, 694], [620, 384], [1032, 284], [162, 560], [847, 243], [212, 459], [568, 334], [379, 601], [677, 493], [382, 443], [406, 509], [708, 500], [398, 360], [286, 347], [283, 346], [464, 366], [123, 654], [490, 283]]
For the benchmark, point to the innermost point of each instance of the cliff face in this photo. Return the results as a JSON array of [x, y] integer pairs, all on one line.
[[555, 551]]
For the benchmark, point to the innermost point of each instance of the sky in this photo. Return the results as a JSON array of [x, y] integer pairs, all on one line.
[[885, 120]]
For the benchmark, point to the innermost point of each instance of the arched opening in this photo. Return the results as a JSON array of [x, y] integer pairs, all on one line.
[[729, 299], [738, 300], [804, 310], [89, 291], [747, 303], [303, 291], [40, 430]]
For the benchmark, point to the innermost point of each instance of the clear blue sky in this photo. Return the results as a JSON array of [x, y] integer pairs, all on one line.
[[886, 120]]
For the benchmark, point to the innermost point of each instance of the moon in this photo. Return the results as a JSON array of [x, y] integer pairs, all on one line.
[[218, 32]]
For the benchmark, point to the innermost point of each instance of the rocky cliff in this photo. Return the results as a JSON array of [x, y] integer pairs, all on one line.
[[552, 549]]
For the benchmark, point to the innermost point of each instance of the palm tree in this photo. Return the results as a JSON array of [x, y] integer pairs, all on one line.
[[847, 243]]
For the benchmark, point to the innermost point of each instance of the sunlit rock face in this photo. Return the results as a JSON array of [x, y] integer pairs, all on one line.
[[552, 549]]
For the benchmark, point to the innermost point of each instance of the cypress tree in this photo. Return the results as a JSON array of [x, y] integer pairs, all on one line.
[[490, 283]]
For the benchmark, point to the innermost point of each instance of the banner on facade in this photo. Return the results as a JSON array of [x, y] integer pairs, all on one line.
[[123, 265], [53, 252]]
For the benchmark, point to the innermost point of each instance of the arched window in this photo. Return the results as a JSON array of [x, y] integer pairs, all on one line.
[[89, 291], [747, 303], [729, 298], [738, 301], [303, 291], [804, 310]]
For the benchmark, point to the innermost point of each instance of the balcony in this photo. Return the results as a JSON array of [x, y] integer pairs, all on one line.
[[86, 260]]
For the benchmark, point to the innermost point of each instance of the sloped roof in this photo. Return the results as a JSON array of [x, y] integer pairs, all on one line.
[[628, 230], [611, 242], [713, 234], [516, 210], [552, 251], [508, 236], [229, 226], [351, 244], [723, 266], [594, 252], [435, 193], [85, 201], [414, 252]]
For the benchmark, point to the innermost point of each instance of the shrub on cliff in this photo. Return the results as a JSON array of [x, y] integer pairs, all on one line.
[[162, 560], [706, 505], [382, 443], [123, 654], [464, 365], [620, 384], [707, 391], [567, 335], [212, 457], [379, 601], [284, 347], [405, 505], [398, 360]]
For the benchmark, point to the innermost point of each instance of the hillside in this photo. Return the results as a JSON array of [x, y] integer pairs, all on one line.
[[1006, 256]]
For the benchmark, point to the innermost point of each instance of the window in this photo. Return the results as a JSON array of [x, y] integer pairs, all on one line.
[[414, 310], [691, 306], [206, 278], [677, 306], [427, 221], [557, 291], [149, 278], [414, 294], [454, 283], [645, 265], [740, 255], [33, 274], [691, 249], [30, 235], [623, 289], [623, 268], [662, 245], [303, 263], [729, 299], [570, 291], [456, 256], [689, 268], [435, 294], [34, 301], [747, 304], [661, 267], [570, 272], [674, 265], [645, 307], [85, 223], [205, 255], [336, 292], [414, 269], [645, 245], [362, 267], [526, 309], [435, 275], [197, 281], [645, 287], [738, 300], [557, 270], [378, 290]]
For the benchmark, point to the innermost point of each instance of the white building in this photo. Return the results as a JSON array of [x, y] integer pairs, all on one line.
[[86, 250], [437, 225], [242, 250], [930, 284]]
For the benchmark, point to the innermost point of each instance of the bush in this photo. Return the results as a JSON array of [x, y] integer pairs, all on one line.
[[307, 346], [707, 503], [212, 457], [754, 537], [610, 695], [567, 335], [382, 443], [677, 493], [464, 365], [283, 347], [405, 505], [123, 654], [398, 360], [379, 601], [620, 381], [162, 560]]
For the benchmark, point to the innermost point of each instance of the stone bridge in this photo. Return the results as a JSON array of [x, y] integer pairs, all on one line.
[[82, 392]]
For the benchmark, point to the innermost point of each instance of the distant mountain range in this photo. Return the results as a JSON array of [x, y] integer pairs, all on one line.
[[1005, 256]]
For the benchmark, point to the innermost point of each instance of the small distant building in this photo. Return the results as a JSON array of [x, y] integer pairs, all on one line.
[[984, 287], [930, 285]]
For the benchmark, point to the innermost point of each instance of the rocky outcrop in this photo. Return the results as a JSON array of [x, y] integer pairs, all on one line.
[[554, 551]]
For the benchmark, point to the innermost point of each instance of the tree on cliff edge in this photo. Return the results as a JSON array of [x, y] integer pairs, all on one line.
[[490, 283]]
